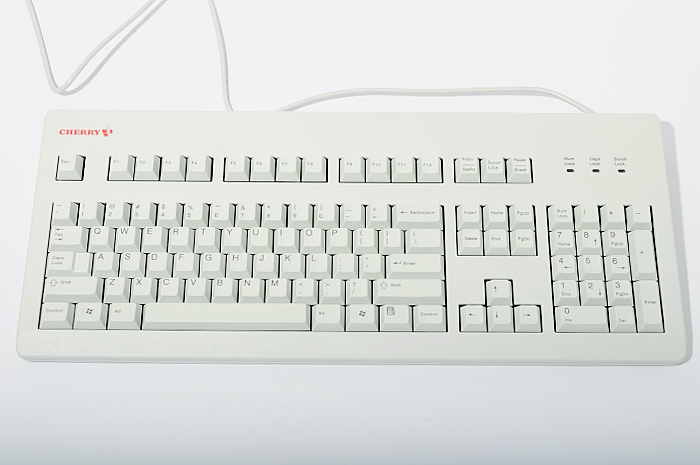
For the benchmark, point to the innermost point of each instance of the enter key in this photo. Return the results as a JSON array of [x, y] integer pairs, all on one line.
[[415, 266]]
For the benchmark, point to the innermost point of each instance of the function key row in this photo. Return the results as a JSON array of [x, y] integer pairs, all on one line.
[[493, 170], [396, 170], [150, 167], [287, 168]]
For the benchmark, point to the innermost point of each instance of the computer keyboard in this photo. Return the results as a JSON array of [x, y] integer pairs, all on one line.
[[352, 238]]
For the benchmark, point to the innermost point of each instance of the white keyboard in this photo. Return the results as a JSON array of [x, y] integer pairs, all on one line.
[[352, 238]]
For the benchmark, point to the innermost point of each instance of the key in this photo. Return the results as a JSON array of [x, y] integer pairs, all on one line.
[[407, 216], [493, 170], [377, 169], [470, 242], [198, 168], [274, 215], [196, 215], [237, 168], [234, 240], [495, 216], [147, 167], [221, 215], [358, 291], [622, 319], [496, 242], [352, 216], [521, 216], [288, 168], [519, 170], [472, 318], [395, 318], [82, 265], [365, 241], [251, 290], [588, 242], [92, 214], [90, 316], [318, 266], [469, 217], [344, 266], [117, 290], [590, 267], [101, 239], [429, 318], [352, 169], [292, 266], [186, 265], [576, 319], [331, 291], [124, 316], [143, 214], [57, 315], [361, 318], [328, 317], [207, 240], [224, 290], [409, 291], [173, 168], [423, 241], [565, 292], [313, 169], [648, 306], [642, 259], [260, 240], [169, 214], [560, 217], [278, 291], [403, 169], [586, 217], [305, 291], [339, 240], [299, 215], [615, 242], [128, 239], [467, 169], [499, 292], [326, 216], [312, 241], [132, 265], [429, 169], [212, 265], [612, 217], [619, 292], [592, 292], [617, 267], [262, 168], [248, 215], [527, 319], [391, 241], [265, 266], [64, 214], [181, 240], [371, 266], [500, 319], [415, 266], [159, 265], [638, 217], [121, 167], [562, 242], [68, 238], [73, 289], [564, 268], [105, 264], [59, 264], [70, 167], [523, 242], [197, 290], [230, 317], [286, 240]]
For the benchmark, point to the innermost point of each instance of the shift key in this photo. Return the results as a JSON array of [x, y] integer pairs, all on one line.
[[409, 291], [73, 289]]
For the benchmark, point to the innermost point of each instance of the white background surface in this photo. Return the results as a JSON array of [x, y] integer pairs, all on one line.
[[614, 56]]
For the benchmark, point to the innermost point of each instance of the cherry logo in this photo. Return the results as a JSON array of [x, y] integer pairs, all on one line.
[[107, 132]]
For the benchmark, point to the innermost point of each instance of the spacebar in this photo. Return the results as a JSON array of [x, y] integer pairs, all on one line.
[[226, 317]]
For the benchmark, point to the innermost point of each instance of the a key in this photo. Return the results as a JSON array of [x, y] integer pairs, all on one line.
[[305, 291], [648, 306], [197, 290], [70, 167], [588, 242], [57, 315], [237, 168], [345, 266], [212, 265], [371, 266], [222, 215], [292, 266], [299, 215], [470, 242], [619, 292], [429, 318], [73, 289], [199, 168], [395, 318], [128, 239], [274, 215], [328, 317], [612, 217], [195, 215], [615, 242], [522, 242], [153, 239], [365, 241], [234, 240], [265, 266], [472, 318], [132, 264], [500, 319], [286, 240], [519, 170], [467, 169], [64, 214], [638, 217], [331, 291], [560, 217], [469, 217], [409, 291], [499, 292], [391, 241], [415, 266], [186, 265], [260, 240], [121, 167], [592, 292], [590, 267], [352, 216], [527, 319], [339, 240], [521, 216], [617, 267], [496, 242], [493, 170], [173, 168], [352, 169], [565, 292], [429, 169], [642, 255], [105, 264], [101, 239], [230, 317], [147, 167], [224, 290], [318, 266], [586, 217], [124, 316], [143, 214], [407, 216], [377, 169], [92, 214], [116, 290], [358, 291], [495, 216], [424, 241], [59, 263], [207, 240], [82, 265], [251, 290], [90, 316], [248, 215], [312, 241], [181, 240], [564, 268], [403, 169], [288, 168], [361, 318], [622, 319], [262, 168], [314, 169], [169, 214], [575, 319], [159, 265], [562, 242], [326, 216], [68, 238], [171, 290]]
